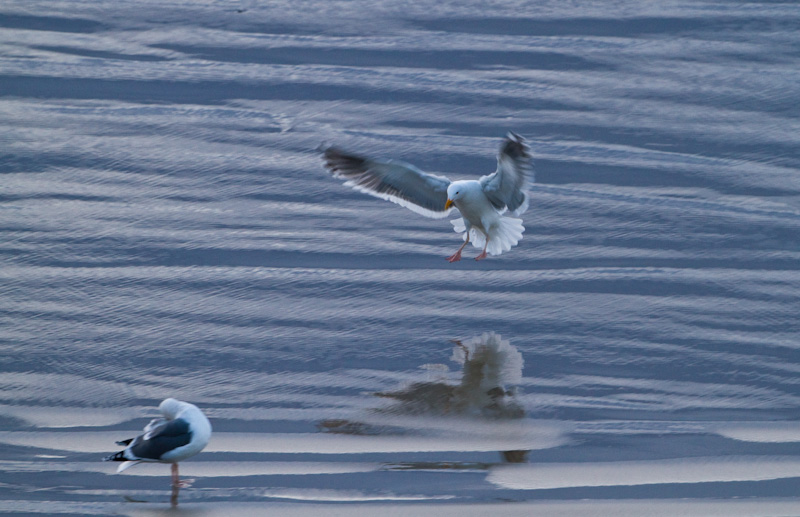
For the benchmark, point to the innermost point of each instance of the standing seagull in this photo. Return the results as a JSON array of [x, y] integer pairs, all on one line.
[[481, 202], [183, 432]]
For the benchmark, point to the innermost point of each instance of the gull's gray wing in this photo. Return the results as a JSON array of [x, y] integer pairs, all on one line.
[[154, 423], [506, 187], [396, 181], [161, 438]]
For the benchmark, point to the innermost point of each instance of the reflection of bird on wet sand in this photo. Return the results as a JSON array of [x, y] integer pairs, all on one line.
[[489, 365], [183, 432]]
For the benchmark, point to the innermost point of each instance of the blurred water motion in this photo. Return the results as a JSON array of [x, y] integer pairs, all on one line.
[[167, 229]]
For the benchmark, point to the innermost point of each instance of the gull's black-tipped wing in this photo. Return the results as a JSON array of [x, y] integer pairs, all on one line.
[[396, 181], [161, 438], [506, 187]]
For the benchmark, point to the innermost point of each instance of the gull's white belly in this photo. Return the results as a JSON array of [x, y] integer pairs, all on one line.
[[479, 212]]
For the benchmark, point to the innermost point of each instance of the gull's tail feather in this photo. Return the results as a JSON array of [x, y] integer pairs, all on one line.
[[126, 465], [120, 456], [503, 236]]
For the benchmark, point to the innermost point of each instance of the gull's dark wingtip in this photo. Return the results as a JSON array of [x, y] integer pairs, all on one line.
[[342, 164], [117, 456], [515, 146]]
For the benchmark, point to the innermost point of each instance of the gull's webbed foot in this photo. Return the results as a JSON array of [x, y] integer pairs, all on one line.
[[455, 257]]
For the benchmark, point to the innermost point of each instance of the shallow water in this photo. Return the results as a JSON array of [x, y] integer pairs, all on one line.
[[168, 230]]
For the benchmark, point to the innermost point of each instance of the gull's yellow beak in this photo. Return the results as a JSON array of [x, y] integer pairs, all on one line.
[[448, 204]]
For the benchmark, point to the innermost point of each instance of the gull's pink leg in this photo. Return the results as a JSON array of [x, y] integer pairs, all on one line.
[[176, 485], [483, 253], [455, 257]]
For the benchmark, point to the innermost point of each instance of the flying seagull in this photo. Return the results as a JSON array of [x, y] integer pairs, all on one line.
[[481, 202], [181, 433]]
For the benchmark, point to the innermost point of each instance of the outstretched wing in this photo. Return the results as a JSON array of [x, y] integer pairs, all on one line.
[[506, 187], [396, 181]]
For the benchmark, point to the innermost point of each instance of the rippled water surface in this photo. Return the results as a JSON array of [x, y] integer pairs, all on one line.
[[167, 229]]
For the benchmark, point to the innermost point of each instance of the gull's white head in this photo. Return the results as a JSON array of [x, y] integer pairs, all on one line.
[[170, 408], [456, 191]]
